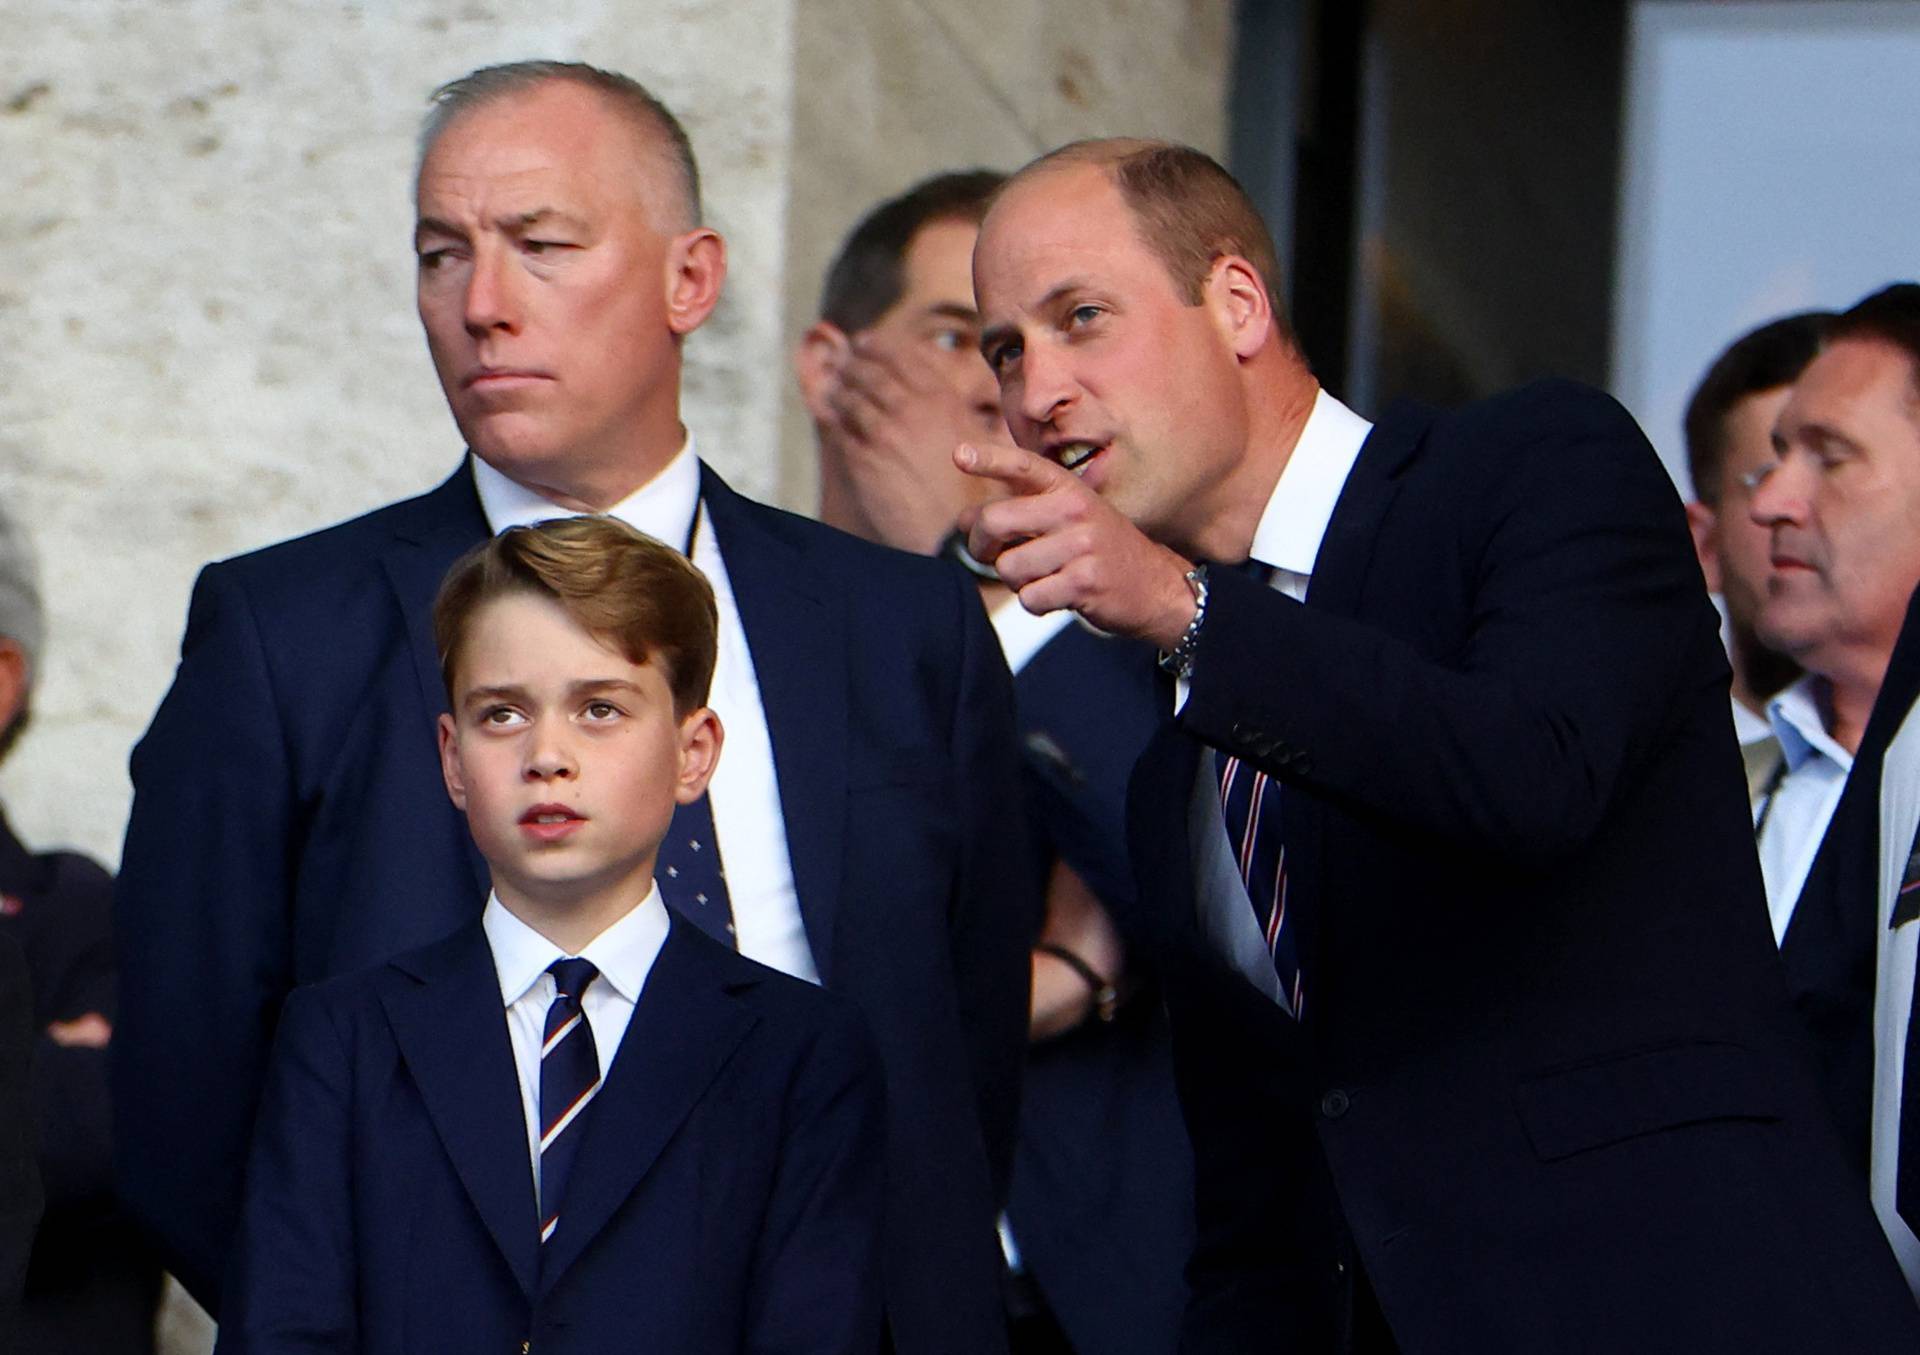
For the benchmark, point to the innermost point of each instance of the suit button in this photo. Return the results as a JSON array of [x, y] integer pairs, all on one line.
[[1334, 1104], [1302, 763], [1243, 732]]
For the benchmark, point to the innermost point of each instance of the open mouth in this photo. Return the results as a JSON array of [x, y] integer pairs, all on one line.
[[1075, 456]]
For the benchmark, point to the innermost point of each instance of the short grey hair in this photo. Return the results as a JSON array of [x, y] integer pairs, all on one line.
[[651, 118]]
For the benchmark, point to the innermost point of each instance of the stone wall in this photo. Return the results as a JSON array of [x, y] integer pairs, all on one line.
[[206, 287]]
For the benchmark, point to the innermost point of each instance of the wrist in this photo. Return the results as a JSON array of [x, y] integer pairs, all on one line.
[[1103, 996], [1177, 657]]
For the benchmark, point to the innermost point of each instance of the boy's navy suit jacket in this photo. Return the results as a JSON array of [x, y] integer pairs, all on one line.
[[290, 823], [726, 1197]]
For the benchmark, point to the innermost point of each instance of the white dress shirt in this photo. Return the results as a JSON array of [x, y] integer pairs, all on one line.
[[1288, 540], [1793, 819], [1893, 988], [1021, 633], [624, 954], [744, 793]]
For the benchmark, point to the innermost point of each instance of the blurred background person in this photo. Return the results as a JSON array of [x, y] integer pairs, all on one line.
[[1841, 502], [1729, 437], [90, 1285], [1099, 1219]]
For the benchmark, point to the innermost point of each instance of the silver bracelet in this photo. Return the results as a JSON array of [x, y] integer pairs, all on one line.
[[1179, 660]]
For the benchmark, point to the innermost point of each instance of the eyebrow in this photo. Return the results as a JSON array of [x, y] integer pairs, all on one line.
[[1057, 293], [515, 224], [954, 310], [511, 692]]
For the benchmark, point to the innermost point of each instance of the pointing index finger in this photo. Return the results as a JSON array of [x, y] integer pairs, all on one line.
[[1019, 470]]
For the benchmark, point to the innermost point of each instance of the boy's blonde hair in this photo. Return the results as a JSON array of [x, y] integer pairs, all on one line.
[[632, 593]]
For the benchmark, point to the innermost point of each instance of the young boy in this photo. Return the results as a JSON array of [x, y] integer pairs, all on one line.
[[579, 1123]]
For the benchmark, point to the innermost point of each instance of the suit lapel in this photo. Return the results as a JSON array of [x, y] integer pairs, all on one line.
[[798, 642], [1340, 569], [684, 1028], [449, 523], [1339, 579], [451, 1029]]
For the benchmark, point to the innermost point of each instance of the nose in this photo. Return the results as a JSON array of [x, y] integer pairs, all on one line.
[[1044, 387], [549, 758], [491, 302], [1781, 493]]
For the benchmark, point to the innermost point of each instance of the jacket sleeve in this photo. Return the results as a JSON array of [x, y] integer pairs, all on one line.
[[1588, 622], [201, 923], [291, 1283], [815, 1288], [998, 901], [70, 1099]]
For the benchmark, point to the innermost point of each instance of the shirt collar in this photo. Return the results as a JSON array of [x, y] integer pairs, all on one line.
[[663, 507], [1021, 633], [624, 953], [1301, 506], [1801, 728], [1748, 727]]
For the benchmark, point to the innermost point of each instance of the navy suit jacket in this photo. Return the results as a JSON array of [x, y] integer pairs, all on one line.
[[726, 1197], [1548, 1089], [289, 823], [1831, 947], [1102, 1200]]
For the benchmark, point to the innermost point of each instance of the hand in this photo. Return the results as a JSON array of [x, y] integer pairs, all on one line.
[[88, 1031], [892, 423], [1075, 921], [1059, 544]]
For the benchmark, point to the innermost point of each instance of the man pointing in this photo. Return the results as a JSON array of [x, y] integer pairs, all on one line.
[[1480, 1046]]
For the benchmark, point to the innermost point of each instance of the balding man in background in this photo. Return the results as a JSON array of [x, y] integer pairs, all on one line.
[[288, 790]]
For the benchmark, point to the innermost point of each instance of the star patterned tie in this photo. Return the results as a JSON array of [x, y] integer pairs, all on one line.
[[691, 876], [569, 1077]]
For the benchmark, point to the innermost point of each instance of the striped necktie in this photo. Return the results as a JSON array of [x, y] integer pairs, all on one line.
[[569, 1077], [1250, 809]]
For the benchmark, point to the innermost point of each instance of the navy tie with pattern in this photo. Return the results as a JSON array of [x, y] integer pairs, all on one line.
[[1250, 808], [569, 1077], [691, 875]]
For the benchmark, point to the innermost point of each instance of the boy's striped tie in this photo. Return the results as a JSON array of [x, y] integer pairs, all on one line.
[[569, 1077]]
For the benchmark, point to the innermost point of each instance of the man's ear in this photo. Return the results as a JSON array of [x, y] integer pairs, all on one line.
[[450, 768], [1702, 521], [696, 271], [1238, 300], [817, 362], [13, 681], [700, 740]]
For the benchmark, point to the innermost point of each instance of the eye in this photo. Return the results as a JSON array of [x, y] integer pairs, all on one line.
[[1753, 479], [952, 340], [430, 259], [601, 710], [500, 717], [1002, 355], [1082, 315]]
